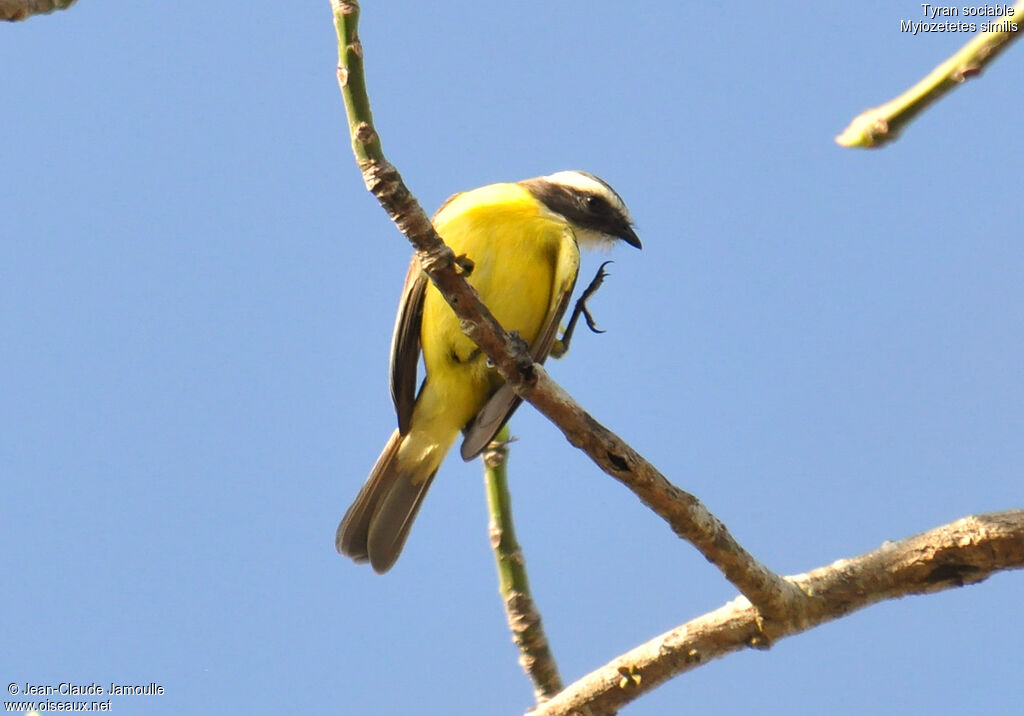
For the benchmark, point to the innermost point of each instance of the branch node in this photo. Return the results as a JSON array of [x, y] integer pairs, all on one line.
[[365, 134], [759, 642], [464, 265], [631, 676], [618, 462]]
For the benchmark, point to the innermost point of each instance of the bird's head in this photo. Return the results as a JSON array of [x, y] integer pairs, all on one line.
[[595, 210]]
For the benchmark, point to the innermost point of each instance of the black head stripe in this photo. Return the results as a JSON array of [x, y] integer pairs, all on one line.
[[584, 209]]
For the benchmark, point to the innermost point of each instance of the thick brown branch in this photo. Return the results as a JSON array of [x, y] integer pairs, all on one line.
[[964, 552]]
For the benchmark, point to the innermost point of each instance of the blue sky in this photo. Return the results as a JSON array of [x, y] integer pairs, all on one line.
[[197, 295]]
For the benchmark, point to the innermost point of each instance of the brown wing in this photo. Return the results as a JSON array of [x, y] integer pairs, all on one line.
[[405, 344], [503, 403]]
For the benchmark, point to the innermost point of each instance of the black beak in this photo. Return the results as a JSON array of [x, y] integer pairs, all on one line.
[[630, 237]]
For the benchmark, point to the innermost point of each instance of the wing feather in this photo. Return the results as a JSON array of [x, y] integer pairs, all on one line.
[[405, 344]]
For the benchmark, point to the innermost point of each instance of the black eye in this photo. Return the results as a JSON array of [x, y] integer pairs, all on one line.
[[596, 204]]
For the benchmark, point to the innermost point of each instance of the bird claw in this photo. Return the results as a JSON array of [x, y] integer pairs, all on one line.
[[581, 309]]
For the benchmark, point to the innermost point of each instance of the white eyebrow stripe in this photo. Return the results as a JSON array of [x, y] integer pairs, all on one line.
[[588, 183]]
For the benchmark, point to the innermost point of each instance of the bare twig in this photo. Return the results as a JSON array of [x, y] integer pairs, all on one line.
[[964, 552], [687, 516], [883, 124], [523, 617]]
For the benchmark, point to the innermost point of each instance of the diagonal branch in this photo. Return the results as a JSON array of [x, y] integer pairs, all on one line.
[[883, 124], [684, 512], [964, 552]]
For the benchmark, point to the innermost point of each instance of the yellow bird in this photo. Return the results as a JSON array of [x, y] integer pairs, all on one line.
[[519, 243]]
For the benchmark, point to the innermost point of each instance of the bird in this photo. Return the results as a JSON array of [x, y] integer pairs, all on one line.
[[518, 244]]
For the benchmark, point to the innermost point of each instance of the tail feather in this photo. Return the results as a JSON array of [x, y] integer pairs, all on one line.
[[377, 524], [393, 518], [353, 533]]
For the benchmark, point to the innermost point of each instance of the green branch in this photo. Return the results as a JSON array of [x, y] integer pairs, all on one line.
[[883, 124], [352, 79], [523, 618]]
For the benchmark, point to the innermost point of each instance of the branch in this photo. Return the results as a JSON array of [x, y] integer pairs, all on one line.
[[964, 552], [684, 512], [883, 124], [523, 618], [22, 9]]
